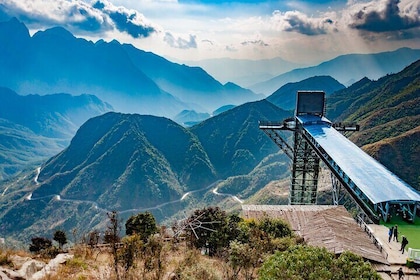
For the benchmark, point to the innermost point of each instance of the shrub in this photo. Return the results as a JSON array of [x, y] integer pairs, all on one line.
[[308, 262], [143, 224], [39, 244], [60, 237]]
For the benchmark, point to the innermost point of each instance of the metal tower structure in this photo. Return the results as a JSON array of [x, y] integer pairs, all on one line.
[[305, 161], [378, 193]]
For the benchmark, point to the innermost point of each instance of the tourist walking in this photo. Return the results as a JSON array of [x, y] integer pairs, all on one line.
[[404, 243], [390, 232], [400, 274], [396, 233]]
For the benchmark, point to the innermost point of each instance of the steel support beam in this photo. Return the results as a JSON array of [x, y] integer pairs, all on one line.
[[305, 172]]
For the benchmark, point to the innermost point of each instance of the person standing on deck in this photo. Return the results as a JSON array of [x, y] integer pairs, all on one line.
[[390, 232], [404, 243], [396, 233]]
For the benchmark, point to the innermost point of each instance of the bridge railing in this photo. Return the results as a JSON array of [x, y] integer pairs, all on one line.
[[375, 241]]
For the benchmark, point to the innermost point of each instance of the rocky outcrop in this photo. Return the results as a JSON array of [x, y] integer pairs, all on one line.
[[25, 268]]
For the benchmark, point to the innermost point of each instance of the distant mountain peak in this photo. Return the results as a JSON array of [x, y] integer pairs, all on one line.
[[58, 31], [13, 29]]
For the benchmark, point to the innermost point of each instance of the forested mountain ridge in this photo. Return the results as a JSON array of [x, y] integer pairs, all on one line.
[[388, 113], [131, 162]]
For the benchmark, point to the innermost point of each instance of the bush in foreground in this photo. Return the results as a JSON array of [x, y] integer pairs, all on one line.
[[307, 262]]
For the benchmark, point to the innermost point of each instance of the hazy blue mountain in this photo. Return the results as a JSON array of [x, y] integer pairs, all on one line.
[[245, 72], [36, 127], [285, 97], [190, 84], [55, 61], [346, 69], [131, 80], [190, 117], [223, 109], [54, 116], [21, 148]]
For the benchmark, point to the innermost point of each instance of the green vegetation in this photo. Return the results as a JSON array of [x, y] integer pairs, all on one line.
[[217, 246], [60, 237], [305, 262], [388, 114], [143, 224]]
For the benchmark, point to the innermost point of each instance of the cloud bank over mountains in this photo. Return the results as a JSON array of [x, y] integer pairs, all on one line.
[[199, 29]]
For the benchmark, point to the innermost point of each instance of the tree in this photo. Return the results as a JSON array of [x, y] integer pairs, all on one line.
[[143, 224], [132, 248], [93, 238], [275, 227], [112, 237], [211, 228], [60, 237], [351, 266], [39, 244], [243, 258]]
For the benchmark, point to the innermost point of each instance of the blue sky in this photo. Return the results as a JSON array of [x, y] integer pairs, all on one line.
[[305, 31]]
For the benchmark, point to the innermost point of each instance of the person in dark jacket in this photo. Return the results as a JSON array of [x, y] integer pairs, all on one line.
[[396, 233], [404, 243], [400, 274]]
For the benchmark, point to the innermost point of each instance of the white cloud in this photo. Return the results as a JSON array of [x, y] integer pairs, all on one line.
[[180, 43], [293, 29]]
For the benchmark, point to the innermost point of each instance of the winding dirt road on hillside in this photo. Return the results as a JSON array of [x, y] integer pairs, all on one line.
[[59, 198]]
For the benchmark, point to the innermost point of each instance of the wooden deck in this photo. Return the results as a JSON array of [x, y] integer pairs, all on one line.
[[326, 226]]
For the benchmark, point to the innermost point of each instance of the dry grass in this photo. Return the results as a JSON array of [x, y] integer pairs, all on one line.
[[176, 262]]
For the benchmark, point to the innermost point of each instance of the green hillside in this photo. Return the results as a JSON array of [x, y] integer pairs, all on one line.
[[388, 113]]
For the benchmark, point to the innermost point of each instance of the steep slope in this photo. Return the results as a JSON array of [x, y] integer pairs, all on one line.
[[232, 139], [386, 110], [131, 153], [285, 97], [346, 69], [400, 151]]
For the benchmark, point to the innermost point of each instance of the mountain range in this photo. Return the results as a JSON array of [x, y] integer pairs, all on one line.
[[133, 163], [129, 79], [388, 113], [81, 155], [346, 69], [285, 96], [34, 128], [245, 72]]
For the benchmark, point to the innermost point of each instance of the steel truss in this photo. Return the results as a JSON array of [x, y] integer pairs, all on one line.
[[407, 209], [305, 172]]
